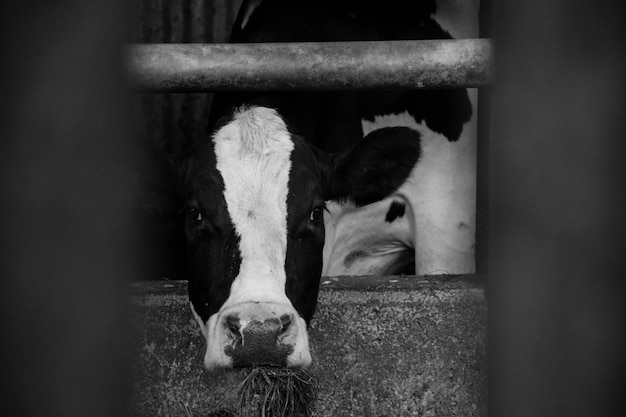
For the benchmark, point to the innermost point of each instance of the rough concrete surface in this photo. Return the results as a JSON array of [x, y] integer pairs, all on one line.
[[383, 347]]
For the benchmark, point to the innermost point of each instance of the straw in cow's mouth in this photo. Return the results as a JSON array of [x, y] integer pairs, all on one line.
[[276, 391]]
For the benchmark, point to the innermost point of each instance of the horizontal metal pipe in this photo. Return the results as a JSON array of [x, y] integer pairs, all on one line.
[[426, 64]]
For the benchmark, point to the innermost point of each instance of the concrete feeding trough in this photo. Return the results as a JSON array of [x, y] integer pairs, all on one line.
[[395, 346]]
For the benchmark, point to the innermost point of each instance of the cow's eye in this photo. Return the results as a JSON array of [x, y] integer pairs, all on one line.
[[194, 214], [316, 214]]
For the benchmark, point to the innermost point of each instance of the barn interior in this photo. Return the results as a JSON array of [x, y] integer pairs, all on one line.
[[77, 168], [431, 331]]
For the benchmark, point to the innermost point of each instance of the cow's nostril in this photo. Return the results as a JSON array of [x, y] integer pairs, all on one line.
[[260, 341], [233, 324], [285, 321]]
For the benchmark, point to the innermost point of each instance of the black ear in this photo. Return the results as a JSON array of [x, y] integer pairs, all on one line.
[[374, 168]]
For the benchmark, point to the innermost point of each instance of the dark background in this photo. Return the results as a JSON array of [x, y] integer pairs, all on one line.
[[164, 125]]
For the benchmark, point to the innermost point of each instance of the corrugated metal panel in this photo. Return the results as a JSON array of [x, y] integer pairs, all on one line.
[[172, 121], [166, 123]]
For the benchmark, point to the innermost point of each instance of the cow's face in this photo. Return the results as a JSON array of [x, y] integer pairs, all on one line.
[[255, 231]]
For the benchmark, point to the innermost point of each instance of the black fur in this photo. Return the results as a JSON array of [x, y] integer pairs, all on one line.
[[396, 210], [375, 167], [305, 237], [212, 244]]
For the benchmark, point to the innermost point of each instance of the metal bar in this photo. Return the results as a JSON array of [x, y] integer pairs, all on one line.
[[426, 64]]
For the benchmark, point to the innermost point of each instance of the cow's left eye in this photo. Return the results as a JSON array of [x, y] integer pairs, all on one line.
[[316, 214]]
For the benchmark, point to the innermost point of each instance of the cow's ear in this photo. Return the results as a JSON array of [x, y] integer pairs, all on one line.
[[374, 168]]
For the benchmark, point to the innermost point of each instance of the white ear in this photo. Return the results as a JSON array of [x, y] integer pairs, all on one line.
[[203, 326]]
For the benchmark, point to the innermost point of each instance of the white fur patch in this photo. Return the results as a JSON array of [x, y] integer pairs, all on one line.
[[362, 234], [440, 195], [253, 154], [254, 157]]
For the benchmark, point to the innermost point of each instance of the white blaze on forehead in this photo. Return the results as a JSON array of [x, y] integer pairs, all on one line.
[[253, 155]]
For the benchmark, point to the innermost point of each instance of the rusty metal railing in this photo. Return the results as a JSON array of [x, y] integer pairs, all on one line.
[[426, 64]]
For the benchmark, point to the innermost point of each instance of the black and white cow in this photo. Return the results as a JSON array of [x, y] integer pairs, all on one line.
[[281, 168]]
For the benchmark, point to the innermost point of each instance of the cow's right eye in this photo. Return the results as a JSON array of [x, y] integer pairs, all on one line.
[[194, 214]]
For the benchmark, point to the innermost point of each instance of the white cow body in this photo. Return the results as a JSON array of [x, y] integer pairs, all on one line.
[[439, 224], [440, 196]]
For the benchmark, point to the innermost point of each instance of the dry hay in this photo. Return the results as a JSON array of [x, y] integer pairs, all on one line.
[[277, 392]]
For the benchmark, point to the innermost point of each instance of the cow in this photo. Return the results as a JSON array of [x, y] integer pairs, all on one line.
[[282, 168]]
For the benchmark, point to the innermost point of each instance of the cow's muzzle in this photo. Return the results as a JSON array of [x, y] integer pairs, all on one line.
[[259, 342], [257, 334]]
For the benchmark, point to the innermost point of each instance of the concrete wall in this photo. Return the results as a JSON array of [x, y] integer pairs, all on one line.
[[413, 347]]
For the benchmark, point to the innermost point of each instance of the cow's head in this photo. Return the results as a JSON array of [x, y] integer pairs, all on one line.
[[255, 230]]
